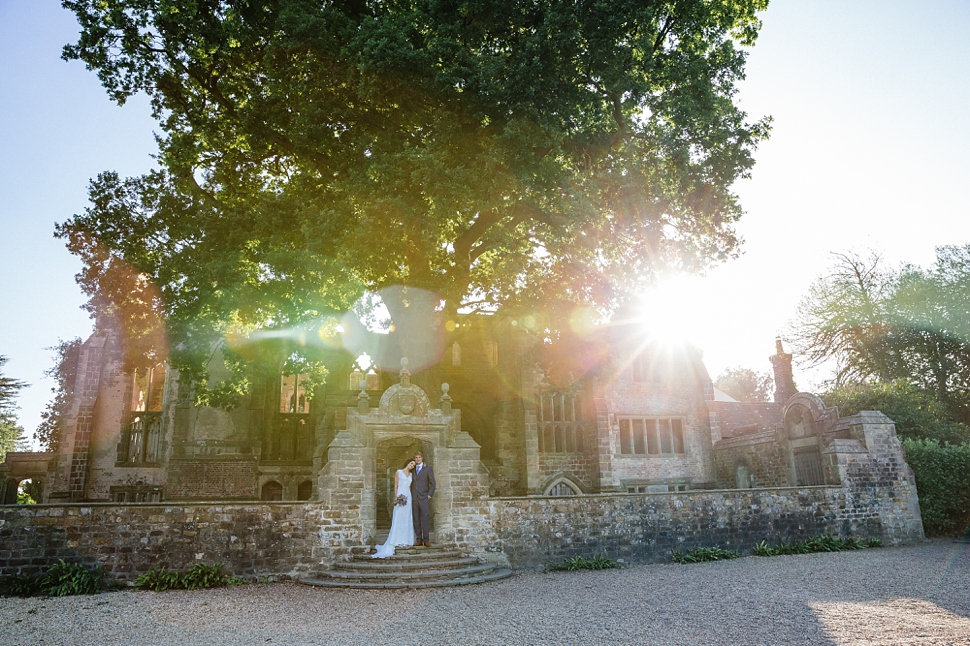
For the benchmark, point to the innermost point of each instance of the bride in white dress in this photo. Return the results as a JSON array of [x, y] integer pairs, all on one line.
[[402, 527]]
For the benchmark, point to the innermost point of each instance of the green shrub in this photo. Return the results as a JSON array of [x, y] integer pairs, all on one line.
[[917, 415], [701, 554], [203, 576], [199, 576], [943, 482], [159, 580], [236, 580], [816, 544], [598, 562], [19, 585], [64, 579]]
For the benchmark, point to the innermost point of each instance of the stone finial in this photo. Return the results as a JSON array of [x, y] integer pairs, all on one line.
[[363, 399], [405, 373], [444, 402]]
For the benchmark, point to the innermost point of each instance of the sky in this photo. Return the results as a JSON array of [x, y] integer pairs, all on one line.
[[868, 151]]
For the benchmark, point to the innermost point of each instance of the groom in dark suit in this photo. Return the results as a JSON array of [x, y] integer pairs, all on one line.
[[422, 488]]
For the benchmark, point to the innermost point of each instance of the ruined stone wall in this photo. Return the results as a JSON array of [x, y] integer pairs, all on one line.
[[249, 539], [766, 459]]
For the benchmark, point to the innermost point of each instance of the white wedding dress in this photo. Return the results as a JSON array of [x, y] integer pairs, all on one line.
[[402, 527]]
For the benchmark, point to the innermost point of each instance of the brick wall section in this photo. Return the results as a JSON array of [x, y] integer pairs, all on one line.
[[249, 539], [580, 467], [211, 479]]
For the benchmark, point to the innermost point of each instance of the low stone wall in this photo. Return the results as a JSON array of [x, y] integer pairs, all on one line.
[[249, 539], [876, 500], [649, 527]]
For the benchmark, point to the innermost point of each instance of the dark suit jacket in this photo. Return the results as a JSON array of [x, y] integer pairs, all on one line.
[[422, 484]]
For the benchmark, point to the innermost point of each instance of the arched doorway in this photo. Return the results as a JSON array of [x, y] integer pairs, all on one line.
[[391, 455]]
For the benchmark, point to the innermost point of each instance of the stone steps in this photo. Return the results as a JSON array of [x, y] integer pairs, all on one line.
[[409, 568]]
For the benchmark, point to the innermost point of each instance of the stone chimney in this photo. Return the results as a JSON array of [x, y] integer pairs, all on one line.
[[784, 382]]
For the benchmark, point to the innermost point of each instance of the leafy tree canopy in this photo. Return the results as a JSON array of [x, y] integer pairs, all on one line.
[[10, 430], [525, 156], [746, 385], [884, 325]]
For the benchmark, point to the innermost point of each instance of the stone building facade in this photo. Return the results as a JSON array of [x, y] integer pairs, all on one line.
[[633, 453]]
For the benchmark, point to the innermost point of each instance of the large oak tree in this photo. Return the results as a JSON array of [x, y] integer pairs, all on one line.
[[525, 155]]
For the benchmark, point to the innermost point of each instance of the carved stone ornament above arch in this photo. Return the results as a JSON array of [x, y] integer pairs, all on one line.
[[405, 398], [806, 415]]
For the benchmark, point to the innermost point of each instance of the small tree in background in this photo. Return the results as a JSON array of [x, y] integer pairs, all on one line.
[[746, 385], [11, 433], [64, 373]]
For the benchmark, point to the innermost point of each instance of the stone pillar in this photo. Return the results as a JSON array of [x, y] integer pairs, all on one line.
[[69, 479], [784, 382], [604, 447]]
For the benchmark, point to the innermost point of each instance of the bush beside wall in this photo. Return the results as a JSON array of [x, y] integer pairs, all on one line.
[[943, 481]]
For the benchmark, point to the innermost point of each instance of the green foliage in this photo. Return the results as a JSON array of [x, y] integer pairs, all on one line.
[[64, 579], [518, 155], [598, 562], [159, 580], [19, 585], [24, 498], [63, 372], [816, 544], [942, 474], [907, 324], [198, 576], [10, 431], [701, 554], [746, 385], [236, 580], [203, 576], [916, 414]]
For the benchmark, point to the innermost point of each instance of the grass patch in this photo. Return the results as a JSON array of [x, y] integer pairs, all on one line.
[[816, 544], [598, 562], [702, 554]]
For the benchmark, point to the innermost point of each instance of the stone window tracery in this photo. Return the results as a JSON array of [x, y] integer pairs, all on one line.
[[560, 423], [651, 436], [292, 439], [363, 371], [142, 436], [561, 488]]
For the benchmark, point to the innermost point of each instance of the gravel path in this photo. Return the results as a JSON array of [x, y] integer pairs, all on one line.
[[907, 595]]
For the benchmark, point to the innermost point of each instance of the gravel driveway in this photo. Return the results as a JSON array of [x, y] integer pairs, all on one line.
[[905, 595]]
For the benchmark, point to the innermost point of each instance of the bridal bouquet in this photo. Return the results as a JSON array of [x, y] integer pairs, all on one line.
[[401, 500]]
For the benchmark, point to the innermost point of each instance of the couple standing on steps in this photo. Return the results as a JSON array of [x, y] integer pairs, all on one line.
[[413, 488]]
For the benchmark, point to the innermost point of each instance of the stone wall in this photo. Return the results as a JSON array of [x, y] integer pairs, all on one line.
[[761, 455], [249, 539], [649, 527]]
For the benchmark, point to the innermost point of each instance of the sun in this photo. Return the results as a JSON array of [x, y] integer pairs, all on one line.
[[675, 310]]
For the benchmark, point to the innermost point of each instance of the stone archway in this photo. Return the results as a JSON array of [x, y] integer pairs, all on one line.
[[392, 454], [361, 457]]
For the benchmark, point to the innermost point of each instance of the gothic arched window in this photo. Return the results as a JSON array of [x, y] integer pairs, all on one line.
[[141, 438]]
